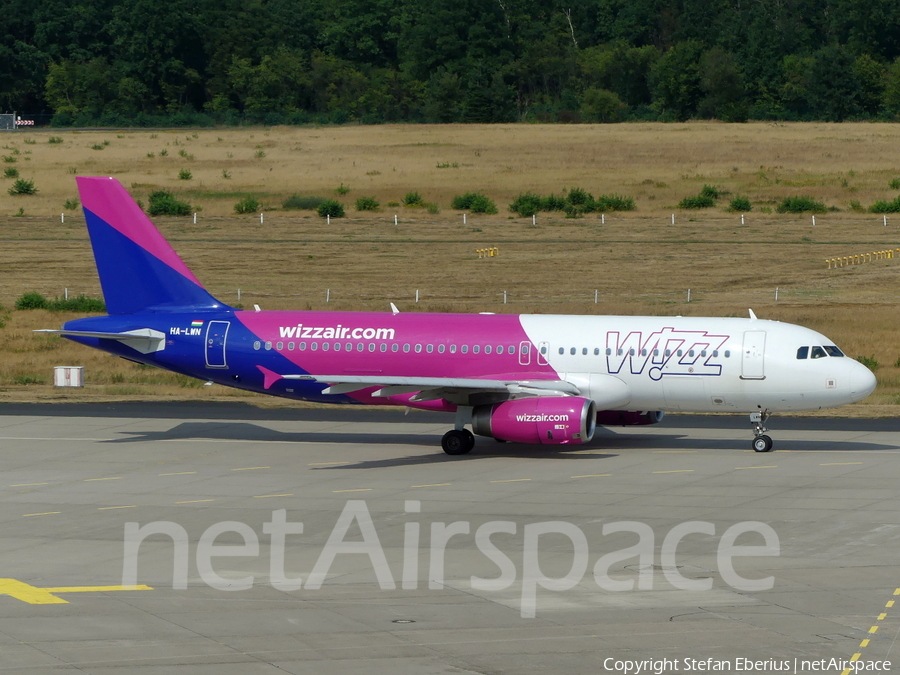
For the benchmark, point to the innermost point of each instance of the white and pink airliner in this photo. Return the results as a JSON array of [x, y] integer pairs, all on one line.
[[521, 378]]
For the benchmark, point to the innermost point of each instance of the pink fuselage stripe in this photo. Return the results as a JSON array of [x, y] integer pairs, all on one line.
[[109, 201], [348, 330]]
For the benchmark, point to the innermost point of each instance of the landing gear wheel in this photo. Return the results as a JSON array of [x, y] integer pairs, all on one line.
[[458, 442], [762, 443]]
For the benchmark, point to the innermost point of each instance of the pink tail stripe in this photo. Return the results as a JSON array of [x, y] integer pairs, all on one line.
[[108, 200]]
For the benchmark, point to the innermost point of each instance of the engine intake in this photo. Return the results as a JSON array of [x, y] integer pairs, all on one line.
[[629, 418], [545, 420]]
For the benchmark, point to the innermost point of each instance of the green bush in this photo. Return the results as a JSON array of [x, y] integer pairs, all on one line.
[[413, 199], [431, 207], [367, 204], [332, 208], [482, 204], [463, 202], [579, 197], [613, 203], [23, 187], [474, 202], [342, 189], [79, 303], [31, 300], [710, 191], [800, 204], [71, 204], [54, 140], [301, 203], [869, 362], [526, 204], [248, 204], [185, 174], [701, 201], [740, 204], [574, 210], [10, 172], [164, 203], [553, 203], [27, 379], [882, 206], [895, 184]]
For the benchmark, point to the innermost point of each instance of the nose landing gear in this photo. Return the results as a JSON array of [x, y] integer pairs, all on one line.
[[761, 442]]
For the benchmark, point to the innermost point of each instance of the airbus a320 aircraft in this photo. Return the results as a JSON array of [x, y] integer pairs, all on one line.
[[528, 379]]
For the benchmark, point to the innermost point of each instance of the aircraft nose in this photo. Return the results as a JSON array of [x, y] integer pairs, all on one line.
[[862, 382]]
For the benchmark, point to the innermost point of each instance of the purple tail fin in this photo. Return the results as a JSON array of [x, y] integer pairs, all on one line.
[[139, 271]]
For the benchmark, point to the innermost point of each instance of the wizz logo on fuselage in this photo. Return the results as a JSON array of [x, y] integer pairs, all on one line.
[[665, 352]]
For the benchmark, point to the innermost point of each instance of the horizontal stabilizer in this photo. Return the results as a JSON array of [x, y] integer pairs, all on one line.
[[143, 340]]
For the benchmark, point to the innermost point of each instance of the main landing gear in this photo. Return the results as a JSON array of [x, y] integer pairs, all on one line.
[[460, 440], [761, 442]]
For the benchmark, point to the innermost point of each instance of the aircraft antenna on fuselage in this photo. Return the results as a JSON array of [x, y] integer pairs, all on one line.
[[752, 315], [394, 309]]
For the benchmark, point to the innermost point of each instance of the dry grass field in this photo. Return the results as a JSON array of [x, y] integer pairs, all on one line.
[[637, 262]]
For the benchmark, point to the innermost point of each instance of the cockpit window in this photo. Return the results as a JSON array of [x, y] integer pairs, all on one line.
[[803, 352], [818, 353], [833, 351]]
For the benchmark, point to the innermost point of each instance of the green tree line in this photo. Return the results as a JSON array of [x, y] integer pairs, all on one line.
[[295, 61]]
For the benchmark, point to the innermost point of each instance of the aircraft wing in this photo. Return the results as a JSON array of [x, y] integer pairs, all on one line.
[[433, 388], [143, 340]]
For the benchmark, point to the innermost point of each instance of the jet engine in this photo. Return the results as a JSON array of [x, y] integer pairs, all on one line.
[[629, 418], [547, 420]]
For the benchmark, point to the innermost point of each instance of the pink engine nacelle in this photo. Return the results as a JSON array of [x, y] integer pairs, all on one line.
[[547, 420], [629, 418]]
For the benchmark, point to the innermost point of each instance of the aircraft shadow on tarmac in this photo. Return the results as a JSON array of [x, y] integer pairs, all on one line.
[[608, 441], [253, 433]]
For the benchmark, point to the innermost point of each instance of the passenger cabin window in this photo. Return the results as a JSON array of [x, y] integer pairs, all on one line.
[[817, 353], [452, 349], [803, 352]]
